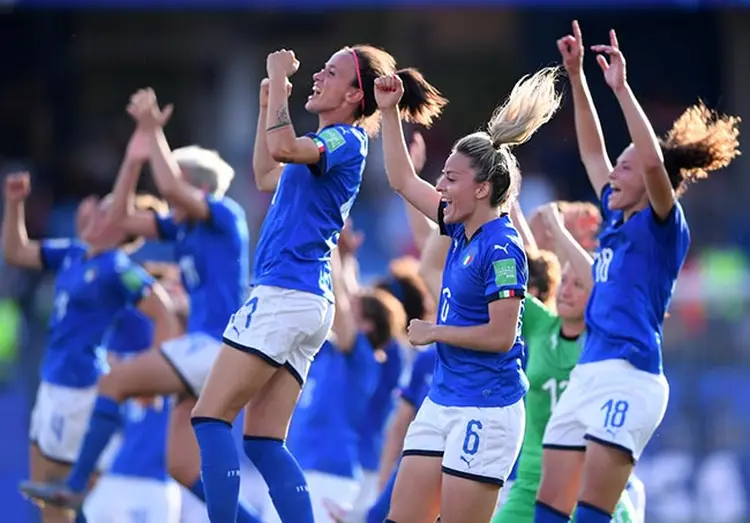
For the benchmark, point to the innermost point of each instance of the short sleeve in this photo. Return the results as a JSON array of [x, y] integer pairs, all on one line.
[[535, 315], [338, 145], [166, 226], [221, 215], [507, 273], [606, 212], [446, 229], [673, 231], [131, 281], [53, 252], [415, 391]]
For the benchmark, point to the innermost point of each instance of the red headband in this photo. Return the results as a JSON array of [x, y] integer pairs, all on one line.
[[359, 77]]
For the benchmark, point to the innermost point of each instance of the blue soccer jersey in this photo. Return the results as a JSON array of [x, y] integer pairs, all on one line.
[[214, 259], [89, 292], [323, 433], [490, 265], [308, 211], [418, 387], [380, 407], [635, 272]]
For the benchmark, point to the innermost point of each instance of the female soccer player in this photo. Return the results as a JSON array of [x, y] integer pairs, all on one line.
[[95, 281], [270, 342], [467, 433], [137, 485], [617, 394], [554, 338], [212, 246], [324, 432]]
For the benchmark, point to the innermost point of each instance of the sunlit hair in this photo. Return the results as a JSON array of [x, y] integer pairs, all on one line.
[[205, 169], [532, 103], [700, 141], [545, 274], [421, 103]]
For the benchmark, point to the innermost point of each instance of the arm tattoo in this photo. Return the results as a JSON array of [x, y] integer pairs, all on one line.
[[282, 119]]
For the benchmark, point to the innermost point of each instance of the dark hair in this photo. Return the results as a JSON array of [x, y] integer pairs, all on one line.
[[385, 313], [532, 103], [406, 285], [421, 103], [545, 274], [700, 141], [143, 202]]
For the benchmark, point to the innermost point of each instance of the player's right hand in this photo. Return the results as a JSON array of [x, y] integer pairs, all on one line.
[[17, 187], [571, 49], [281, 63], [265, 85], [388, 91]]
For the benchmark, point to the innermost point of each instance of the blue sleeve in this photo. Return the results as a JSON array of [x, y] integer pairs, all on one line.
[[414, 392], [53, 252], [506, 271], [221, 215], [338, 145], [673, 231], [166, 226], [446, 229], [606, 212], [131, 281]]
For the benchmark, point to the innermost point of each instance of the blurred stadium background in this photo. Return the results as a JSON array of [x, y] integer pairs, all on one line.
[[66, 75]]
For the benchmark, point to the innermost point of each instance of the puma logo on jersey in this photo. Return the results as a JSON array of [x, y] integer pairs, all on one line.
[[503, 248]]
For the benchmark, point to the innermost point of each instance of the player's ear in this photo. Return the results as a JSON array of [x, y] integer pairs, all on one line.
[[483, 190]]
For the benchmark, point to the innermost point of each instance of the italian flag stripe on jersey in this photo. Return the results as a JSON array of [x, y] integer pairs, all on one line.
[[320, 144], [507, 294]]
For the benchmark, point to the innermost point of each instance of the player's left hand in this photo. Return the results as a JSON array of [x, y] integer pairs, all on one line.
[[145, 110], [421, 332], [614, 71], [281, 63], [350, 240]]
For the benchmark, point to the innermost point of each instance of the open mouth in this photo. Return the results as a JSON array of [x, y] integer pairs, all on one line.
[[316, 90]]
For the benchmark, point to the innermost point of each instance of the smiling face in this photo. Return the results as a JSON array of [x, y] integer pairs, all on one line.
[[334, 85], [459, 189], [626, 180], [571, 295]]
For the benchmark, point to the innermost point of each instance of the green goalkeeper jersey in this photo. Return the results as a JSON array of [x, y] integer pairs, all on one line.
[[551, 358]]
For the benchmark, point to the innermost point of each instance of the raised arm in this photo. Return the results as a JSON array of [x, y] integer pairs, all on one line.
[[432, 262], [519, 220], [281, 139], [589, 134], [266, 170], [177, 191], [344, 323], [18, 250], [659, 188], [398, 166], [421, 226], [122, 209], [572, 252]]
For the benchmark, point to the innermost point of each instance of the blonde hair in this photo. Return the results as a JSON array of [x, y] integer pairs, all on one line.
[[533, 102], [205, 168]]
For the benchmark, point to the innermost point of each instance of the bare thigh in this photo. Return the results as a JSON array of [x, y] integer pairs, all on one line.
[[561, 479], [416, 495], [49, 471], [467, 501], [148, 374], [183, 456], [268, 413], [235, 378], [605, 475]]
